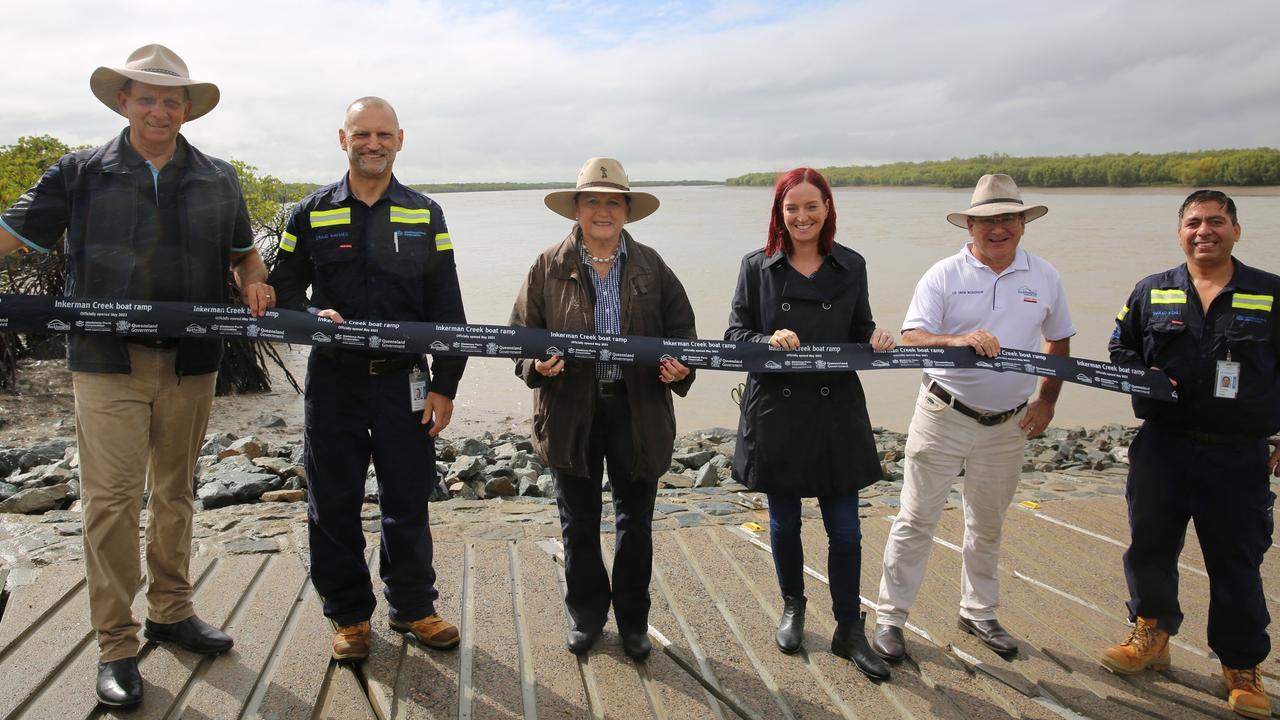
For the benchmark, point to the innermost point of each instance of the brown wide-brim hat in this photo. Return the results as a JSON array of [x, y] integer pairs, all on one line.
[[154, 65], [603, 175], [996, 195]]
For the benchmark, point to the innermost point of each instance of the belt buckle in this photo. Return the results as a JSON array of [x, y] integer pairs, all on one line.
[[990, 419]]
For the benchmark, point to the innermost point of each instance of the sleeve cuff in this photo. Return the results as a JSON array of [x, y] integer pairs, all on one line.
[[33, 246]]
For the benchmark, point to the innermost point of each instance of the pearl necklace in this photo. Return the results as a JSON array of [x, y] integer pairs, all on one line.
[[609, 259]]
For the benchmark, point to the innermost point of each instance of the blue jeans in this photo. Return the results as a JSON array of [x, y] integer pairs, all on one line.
[[844, 549]]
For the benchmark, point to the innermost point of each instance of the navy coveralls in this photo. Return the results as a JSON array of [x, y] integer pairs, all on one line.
[[1203, 458], [392, 261]]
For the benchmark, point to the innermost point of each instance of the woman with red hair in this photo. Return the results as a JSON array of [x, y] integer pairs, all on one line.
[[808, 434]]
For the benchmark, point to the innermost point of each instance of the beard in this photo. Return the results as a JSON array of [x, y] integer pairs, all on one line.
[[373, 165]]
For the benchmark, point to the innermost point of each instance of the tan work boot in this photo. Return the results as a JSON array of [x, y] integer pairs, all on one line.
[[351, 642], [1245, 695], [1147, 647], [431, 631]]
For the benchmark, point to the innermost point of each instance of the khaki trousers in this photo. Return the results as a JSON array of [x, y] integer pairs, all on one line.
[[136, 431], [940, 442]]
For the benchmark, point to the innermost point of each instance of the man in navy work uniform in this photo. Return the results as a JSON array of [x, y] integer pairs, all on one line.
[[146, 216], [1210, 325], [372, 249]]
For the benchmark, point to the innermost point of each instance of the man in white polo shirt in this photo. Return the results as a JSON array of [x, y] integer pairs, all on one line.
[[989, 295]]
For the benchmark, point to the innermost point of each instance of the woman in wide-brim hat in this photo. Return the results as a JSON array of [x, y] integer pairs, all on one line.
[[591, 415]]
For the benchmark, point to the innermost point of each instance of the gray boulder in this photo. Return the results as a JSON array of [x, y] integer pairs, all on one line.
[[7, 490], [270, 421], [707, 476], [467, 467], [215, 494], [471, 446], [36, 500], [547, 486], [694, 460], [249, 446], [675, 480]]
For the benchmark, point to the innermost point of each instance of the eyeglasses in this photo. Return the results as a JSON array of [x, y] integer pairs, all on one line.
[[1006, 219]]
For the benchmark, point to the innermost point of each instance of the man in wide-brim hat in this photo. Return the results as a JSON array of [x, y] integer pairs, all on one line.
[[990, 295], [146, 217]]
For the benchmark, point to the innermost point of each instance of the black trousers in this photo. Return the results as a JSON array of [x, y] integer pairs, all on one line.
[[1225, 491], [351, 416], [579, 499]]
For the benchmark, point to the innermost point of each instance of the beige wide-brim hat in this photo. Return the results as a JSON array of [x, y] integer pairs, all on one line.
[[996, 195], [603, 175], [154, 65]]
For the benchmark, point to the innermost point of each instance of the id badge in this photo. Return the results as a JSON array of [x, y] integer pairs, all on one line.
[[417, 391], [1227, 381]]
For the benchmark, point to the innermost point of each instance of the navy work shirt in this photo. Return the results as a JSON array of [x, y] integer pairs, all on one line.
[[1164, 325], [392, 261]]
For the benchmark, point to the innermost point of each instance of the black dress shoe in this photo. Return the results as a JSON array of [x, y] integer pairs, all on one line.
[[580, 641], [790, 635], [992, 634], [850, 643], [888, 643], [119, 683], [191, 634], [637, 646]]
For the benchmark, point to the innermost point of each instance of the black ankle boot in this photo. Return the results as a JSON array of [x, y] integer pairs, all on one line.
[[850, 643], [790, 635]]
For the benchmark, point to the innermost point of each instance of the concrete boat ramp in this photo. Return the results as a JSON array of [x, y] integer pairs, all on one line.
[[715, 606]]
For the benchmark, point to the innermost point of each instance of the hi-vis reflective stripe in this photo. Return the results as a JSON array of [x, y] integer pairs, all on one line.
[[1252, 302], [325, 218], [1124, 312], [410, 216], [288, 242], [1168, 297], [443, 242]]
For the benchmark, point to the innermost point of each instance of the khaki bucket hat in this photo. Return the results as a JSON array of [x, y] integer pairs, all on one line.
[[154, 65], [996, 195], [601, 174]]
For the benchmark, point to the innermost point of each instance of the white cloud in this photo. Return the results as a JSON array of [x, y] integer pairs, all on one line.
[[525, 91]]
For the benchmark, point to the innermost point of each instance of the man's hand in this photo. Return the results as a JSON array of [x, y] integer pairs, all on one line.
[[1273, 462], [259, 297], [437, 412], [1037, 417], [982, 342], [332, 314]]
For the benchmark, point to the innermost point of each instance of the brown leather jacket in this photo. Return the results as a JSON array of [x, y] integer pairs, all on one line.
[[558, 295]]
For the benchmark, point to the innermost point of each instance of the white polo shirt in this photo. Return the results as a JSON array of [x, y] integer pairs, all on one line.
[[1022, 306]]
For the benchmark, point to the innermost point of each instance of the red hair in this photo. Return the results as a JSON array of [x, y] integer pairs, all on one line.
[[779, 238]]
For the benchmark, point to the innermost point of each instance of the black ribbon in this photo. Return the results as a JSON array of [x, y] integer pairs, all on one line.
[[129, 318]]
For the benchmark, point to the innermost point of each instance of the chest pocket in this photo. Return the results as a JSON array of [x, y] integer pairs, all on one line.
[[1248, 338], [334, 249]]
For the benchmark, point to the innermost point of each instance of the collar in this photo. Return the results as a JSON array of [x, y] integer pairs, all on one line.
[[1021, 261], [838, 257], [395, 192], [1243, 277]]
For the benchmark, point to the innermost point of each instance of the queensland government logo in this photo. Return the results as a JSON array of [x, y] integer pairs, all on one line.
[[252, 331], [122, 326], [375, 342]]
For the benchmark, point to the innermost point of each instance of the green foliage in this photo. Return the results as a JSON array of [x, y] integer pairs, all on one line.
[[1259, 166], [22, 164], [269, 200]]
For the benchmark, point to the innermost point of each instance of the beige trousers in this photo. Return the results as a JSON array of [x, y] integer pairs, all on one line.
[[940, 442], [136, 431]]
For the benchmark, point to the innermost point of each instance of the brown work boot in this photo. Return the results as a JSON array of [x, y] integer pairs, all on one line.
[[351, 642], [1147, 647], [1245, 695], [432, 631]]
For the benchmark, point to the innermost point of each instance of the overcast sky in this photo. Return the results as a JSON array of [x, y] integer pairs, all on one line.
[[676, 90]]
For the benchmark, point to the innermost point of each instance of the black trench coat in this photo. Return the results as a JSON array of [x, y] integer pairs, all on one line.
[[805, 434]]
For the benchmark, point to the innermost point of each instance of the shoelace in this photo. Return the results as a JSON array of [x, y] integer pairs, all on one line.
[[1143, 636], [1244, 679]]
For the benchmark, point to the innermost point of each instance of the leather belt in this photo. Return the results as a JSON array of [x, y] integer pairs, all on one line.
[[154, 343], [983, 418], [371, 365], [611, 388]]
